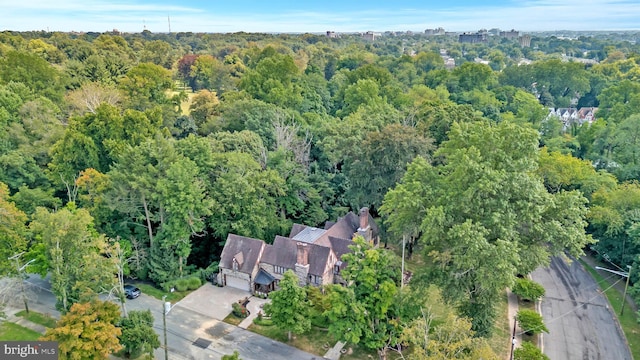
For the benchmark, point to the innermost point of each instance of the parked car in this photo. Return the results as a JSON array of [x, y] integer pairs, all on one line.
[[131, 292]]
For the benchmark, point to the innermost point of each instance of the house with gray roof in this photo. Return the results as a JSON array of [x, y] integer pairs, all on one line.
[[314, 254]]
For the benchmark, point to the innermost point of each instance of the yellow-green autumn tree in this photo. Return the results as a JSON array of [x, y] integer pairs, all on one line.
[[87, 331]]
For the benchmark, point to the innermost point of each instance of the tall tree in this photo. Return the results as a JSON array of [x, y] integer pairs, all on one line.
[[138, 336], [87, 331], [73, 252], [289, 308], [485, 215], [12, 232], [380, 161], [372, 276]]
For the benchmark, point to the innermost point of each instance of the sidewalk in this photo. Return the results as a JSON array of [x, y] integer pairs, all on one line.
[[11, 317], [512, 311], [254, 306]]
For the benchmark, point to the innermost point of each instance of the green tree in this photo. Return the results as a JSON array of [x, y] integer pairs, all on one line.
[[380, 161], [72, 251], [138, 336], [565, 172], [528, 290], [626, 148], [289, 308], [531, 322], [146, 85], [87, 331], [273, 80], [438, 334], [485, 215], [372, 277], [12, 232], [529, 351], [34, 72], [160, 189]]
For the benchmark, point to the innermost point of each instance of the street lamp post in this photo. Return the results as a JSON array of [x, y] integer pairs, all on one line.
[[626, 286], [164, 325]]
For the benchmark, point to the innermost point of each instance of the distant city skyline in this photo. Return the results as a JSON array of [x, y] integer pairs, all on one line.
[[318, 16]]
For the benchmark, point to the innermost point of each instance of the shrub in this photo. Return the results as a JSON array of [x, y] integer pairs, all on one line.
[[182, 284], [239, 310], [193, 283], [529, 351], [528, 290], [531, 322]]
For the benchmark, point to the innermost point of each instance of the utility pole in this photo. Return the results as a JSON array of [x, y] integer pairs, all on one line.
[[626, 286], [624, 274], [164, 325], [402, 275]]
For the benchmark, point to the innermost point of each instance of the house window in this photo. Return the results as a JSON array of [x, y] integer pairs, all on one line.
[[315, 279], [235, 265], [279, 269], [336, 269]]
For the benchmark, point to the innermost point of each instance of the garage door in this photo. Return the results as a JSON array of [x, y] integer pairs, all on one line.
[[237, 283]]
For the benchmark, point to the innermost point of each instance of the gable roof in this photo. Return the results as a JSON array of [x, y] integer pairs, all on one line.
[[284, 252], [245, 250], [340, 246]]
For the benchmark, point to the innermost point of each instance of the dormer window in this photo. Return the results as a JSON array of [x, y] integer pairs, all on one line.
[[235, 264], [336, 268]]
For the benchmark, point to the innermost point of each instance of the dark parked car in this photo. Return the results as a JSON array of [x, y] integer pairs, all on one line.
[[131, 292]]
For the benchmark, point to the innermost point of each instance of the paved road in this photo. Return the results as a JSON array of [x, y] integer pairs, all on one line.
[[581, 325], [184, 326]]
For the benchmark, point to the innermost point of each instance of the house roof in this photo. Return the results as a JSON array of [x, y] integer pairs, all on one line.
[[340, 246], [263, 278], [309, 234], [296, 229], [284, 252], [244, 250]]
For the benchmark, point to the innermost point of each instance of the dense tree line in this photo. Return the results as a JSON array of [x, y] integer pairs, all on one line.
[[165, 143]]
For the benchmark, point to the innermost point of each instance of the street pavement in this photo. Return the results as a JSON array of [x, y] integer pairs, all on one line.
[[581, 324], [196, 317]]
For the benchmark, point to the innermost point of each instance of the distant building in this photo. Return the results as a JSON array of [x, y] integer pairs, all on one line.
[[370, 36], [431, 32], [513, 34], [473, 38], [525, 40], [332, 34]]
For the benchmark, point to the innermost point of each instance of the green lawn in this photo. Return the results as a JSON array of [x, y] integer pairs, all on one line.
[[14, 332], [38, 318], [159, 293], [232, 319], [628, 321]]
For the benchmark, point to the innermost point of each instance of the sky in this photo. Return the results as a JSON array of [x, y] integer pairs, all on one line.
[[317, 16]]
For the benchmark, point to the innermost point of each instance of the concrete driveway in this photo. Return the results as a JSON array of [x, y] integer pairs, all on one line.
[[213, 301]]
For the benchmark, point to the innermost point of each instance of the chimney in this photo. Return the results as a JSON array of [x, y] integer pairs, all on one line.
[[364, 218], [302, 254], [365, 230]]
